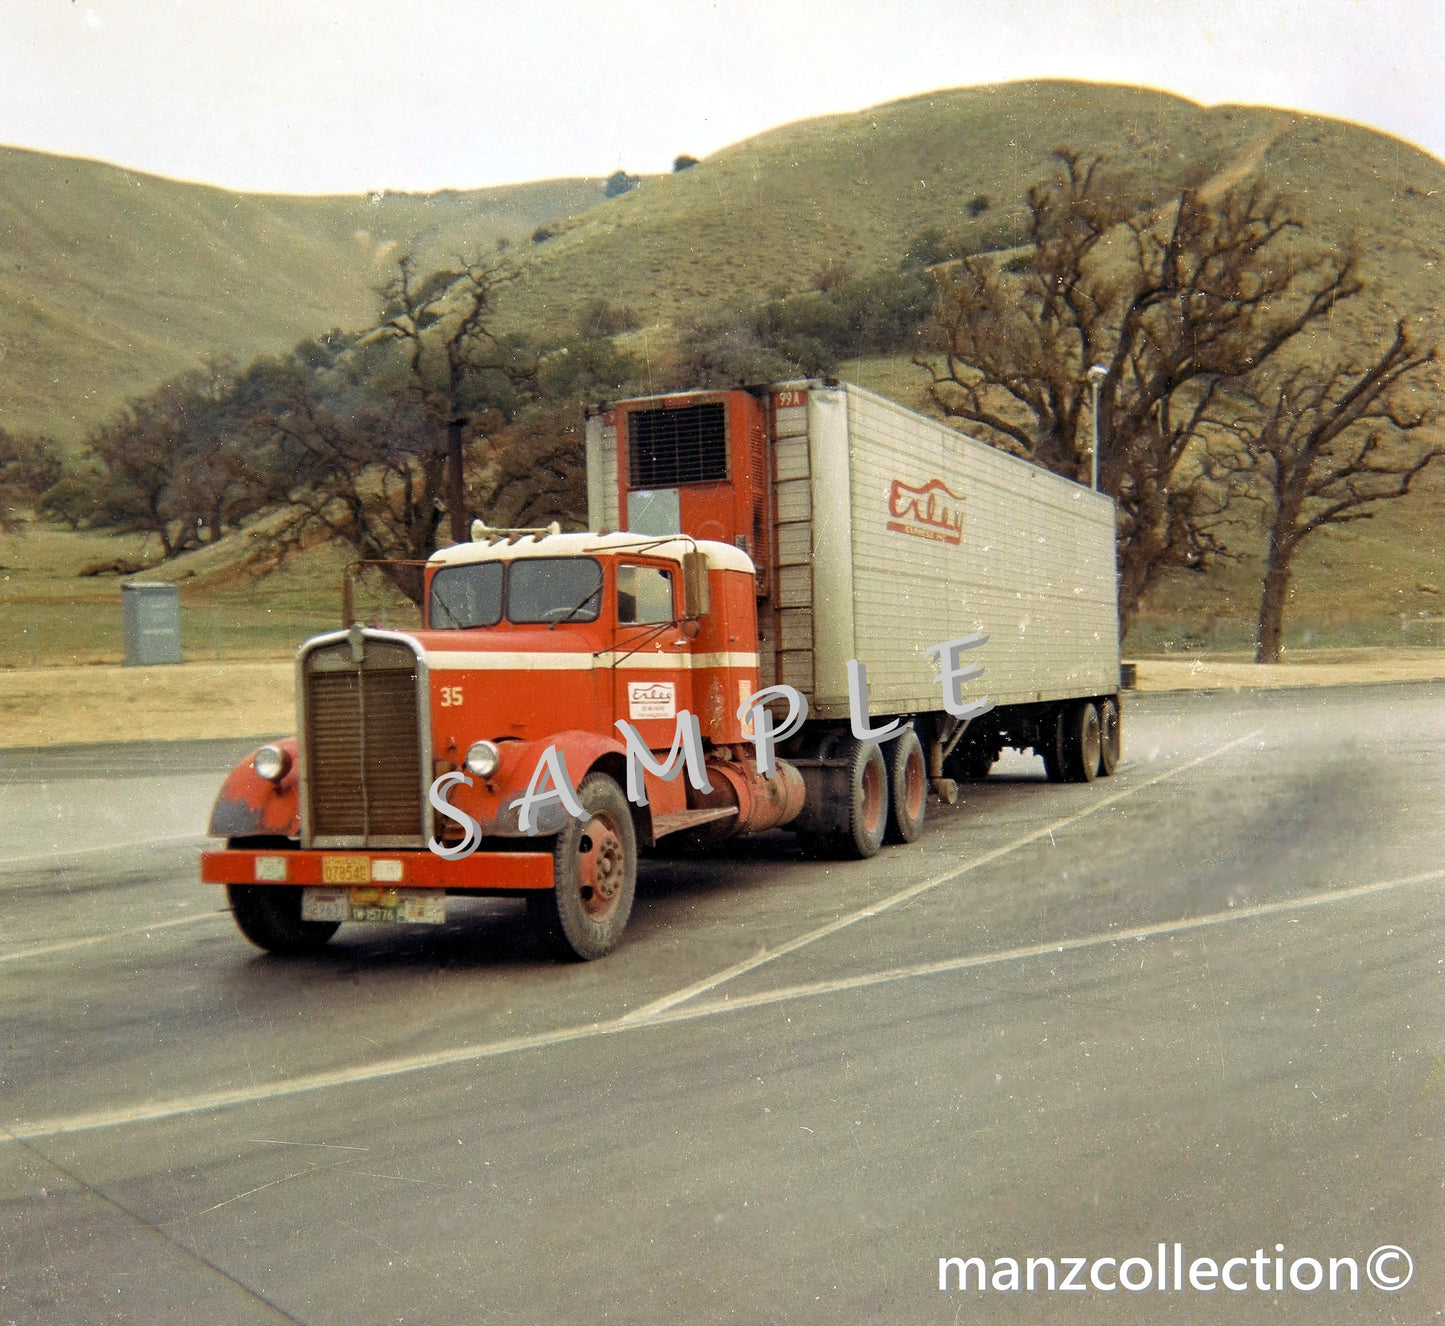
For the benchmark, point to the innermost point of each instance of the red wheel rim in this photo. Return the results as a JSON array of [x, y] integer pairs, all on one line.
[[872, 796], [913, 784], [601, 867]]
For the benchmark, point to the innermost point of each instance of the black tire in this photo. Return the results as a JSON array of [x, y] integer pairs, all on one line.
[[594, 871], [269, 915], [1050, 745], [866, 813], [907, 786], [1111, 738], [1080, 743]]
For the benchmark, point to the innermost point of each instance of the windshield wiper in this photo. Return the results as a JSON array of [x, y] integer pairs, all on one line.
[[575, 609], [438, 601]]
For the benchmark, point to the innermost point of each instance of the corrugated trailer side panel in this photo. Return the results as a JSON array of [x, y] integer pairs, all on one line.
[[922, 534], [602, 498]]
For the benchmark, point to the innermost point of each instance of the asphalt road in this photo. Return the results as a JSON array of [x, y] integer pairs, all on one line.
[[1197, 1003]]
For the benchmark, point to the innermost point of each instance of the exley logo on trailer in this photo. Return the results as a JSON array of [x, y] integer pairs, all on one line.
[[930, 512]]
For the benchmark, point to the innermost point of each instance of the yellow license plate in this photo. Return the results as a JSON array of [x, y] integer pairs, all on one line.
[[346, 870]]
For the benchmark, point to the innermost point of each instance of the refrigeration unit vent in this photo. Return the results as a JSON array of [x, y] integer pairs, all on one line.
[[666, 448]]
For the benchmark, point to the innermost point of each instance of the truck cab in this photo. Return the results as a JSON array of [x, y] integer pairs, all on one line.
[[533, 642]]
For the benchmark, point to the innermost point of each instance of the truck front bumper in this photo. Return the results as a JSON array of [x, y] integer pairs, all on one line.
[[479, 873]]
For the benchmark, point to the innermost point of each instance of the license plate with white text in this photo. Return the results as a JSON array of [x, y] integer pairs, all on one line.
[[397, 906]]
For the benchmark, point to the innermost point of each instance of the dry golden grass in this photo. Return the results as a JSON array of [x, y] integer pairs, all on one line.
[[114, 280]]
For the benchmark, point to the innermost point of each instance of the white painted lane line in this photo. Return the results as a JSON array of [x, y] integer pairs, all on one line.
[[785, 993], [64, 945], [913, 890], [59, 852], [210, 1100], [268, 1091]]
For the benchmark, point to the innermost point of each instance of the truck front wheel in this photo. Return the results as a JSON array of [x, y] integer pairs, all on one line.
[[269, 915], [907, 786], [594, 871]]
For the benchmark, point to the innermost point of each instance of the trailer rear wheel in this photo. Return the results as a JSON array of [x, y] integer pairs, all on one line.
[[269, 915], [1050, 744], [594, 870], [1111, 737], [866, 818], [1081, 742], [907, 786]]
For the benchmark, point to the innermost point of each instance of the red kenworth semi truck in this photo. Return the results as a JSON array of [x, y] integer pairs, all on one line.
[[772, 626]]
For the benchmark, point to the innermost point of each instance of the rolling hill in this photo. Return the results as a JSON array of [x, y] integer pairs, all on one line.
[[765, 214], [111, 281]]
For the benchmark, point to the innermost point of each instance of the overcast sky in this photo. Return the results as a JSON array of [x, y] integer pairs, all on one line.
[[327, 96]]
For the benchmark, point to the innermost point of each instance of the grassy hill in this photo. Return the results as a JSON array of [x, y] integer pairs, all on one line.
[[765, 214], [111, 281]]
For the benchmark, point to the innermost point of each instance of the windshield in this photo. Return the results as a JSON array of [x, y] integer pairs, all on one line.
[[463, 596], [554, 589], [533, 589]]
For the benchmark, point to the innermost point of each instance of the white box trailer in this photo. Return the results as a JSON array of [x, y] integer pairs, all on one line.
[[878, 533], [891, 532]]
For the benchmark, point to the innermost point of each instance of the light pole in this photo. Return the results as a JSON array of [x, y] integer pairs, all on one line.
[[1097, 374]]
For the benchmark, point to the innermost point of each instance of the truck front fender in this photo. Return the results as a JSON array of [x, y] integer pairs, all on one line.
[[250, 806], [581, 750]]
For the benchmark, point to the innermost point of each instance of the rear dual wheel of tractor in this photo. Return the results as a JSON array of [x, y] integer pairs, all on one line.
[[866, 812], [594, 871], [907, 786]]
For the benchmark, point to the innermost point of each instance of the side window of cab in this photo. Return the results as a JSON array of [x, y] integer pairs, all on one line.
[[644, 595]]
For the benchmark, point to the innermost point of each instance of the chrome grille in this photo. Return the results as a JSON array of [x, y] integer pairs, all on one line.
[[363, 747]]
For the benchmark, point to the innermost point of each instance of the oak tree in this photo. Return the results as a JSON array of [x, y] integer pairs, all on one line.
[[1173, 302], [465, 378], [1324, 443]]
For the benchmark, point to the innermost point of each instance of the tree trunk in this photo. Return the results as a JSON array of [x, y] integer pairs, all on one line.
[[456, 493], [1269, 638]]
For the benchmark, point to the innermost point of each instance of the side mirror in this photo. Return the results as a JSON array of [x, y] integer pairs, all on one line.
[[696, 598]]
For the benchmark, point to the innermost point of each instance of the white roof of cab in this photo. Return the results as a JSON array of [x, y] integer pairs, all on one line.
[[720, 556]]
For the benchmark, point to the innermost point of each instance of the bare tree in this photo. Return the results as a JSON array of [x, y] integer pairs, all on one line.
[[538, 472], [1326, 445], [141, 454], [29, 467], [462, 373], [373, 479], [1174, 302]]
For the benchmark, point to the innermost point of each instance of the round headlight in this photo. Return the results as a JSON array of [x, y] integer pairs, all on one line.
[[271, 762], [483, 758]]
